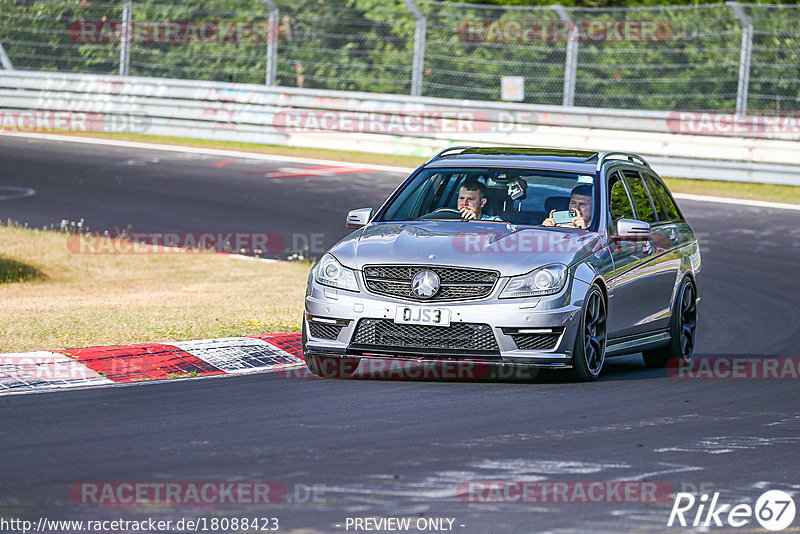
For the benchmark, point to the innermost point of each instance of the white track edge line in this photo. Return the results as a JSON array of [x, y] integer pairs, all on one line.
[[208, 151]]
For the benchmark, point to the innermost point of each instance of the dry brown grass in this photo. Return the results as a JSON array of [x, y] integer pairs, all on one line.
[[107, 299]]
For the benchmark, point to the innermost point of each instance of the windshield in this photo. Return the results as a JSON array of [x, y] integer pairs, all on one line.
[[518, 196]]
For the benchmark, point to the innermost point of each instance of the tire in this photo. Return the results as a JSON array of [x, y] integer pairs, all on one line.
[[589, 353], [327, 366], [682, 328]]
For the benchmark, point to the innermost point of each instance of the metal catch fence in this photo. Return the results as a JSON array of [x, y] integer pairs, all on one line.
[[716, 57]]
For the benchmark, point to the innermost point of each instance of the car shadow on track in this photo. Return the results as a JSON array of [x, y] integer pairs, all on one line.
[[625, 368], [628, 367]]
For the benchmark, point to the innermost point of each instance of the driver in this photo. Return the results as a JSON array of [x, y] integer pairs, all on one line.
[[581, 201], [471, 200]]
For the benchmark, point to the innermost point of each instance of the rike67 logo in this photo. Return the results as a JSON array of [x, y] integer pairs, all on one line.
[[774, 510]]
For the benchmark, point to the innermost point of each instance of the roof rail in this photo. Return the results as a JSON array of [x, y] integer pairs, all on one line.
[[631, 157], [446, 150]]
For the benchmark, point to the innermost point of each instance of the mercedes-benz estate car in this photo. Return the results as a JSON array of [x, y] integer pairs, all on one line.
[[510, 256]]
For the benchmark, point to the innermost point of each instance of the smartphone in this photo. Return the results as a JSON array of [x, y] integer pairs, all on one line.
[[564, 217]]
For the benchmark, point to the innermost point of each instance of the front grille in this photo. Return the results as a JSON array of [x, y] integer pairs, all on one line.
[[384, 333], [536, 341], [462, 292], [324, 331], [456, 283]]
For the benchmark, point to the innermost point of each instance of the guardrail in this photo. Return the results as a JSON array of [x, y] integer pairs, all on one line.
[[746, 151]]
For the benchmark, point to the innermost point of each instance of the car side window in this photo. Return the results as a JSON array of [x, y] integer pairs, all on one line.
[[667, 210], [412, 199], [641, 198], [620, 206]]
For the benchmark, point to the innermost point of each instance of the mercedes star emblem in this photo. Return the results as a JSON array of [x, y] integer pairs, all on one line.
[[425, 284]]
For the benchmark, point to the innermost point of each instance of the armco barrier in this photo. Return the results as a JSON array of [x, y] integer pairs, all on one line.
[[254, 113]]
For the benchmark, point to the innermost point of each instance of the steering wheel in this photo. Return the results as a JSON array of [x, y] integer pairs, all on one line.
[[437, 214]]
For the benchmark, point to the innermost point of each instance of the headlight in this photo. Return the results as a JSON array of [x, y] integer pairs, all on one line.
[[331, 273], [545, 281], [309, 282]]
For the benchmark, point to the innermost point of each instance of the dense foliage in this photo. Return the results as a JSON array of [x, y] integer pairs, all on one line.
[[368, 45]]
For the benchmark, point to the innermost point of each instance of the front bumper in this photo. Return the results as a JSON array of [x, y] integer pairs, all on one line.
[[336, 313]]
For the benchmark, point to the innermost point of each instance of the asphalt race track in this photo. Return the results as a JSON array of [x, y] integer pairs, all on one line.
[[400, 448], [118, 189]]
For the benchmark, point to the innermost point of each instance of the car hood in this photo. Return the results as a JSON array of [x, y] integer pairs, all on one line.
[[508, 248]]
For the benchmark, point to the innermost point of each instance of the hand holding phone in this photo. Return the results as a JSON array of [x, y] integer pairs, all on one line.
[[564, 217]]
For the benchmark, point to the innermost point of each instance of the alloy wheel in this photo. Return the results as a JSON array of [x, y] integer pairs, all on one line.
[[594, 334], [688, 318]]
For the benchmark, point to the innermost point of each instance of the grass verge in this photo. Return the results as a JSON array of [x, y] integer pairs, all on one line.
[[771, 193], [787, 194], [12, 271], [80, 300]]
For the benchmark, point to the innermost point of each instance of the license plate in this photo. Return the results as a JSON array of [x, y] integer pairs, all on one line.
[[420, 315]]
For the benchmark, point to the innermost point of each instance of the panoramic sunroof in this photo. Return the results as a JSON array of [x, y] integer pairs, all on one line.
[[525, 151]]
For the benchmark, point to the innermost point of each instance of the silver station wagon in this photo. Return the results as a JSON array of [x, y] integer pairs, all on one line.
[[510, 256]]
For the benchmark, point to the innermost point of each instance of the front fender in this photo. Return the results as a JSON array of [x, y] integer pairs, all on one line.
[[583, 276]]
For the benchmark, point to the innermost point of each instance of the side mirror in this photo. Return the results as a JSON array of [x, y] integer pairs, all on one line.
[[358, 218], [633, 230]]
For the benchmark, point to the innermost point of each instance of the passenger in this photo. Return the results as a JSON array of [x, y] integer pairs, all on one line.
[[581, 201]]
